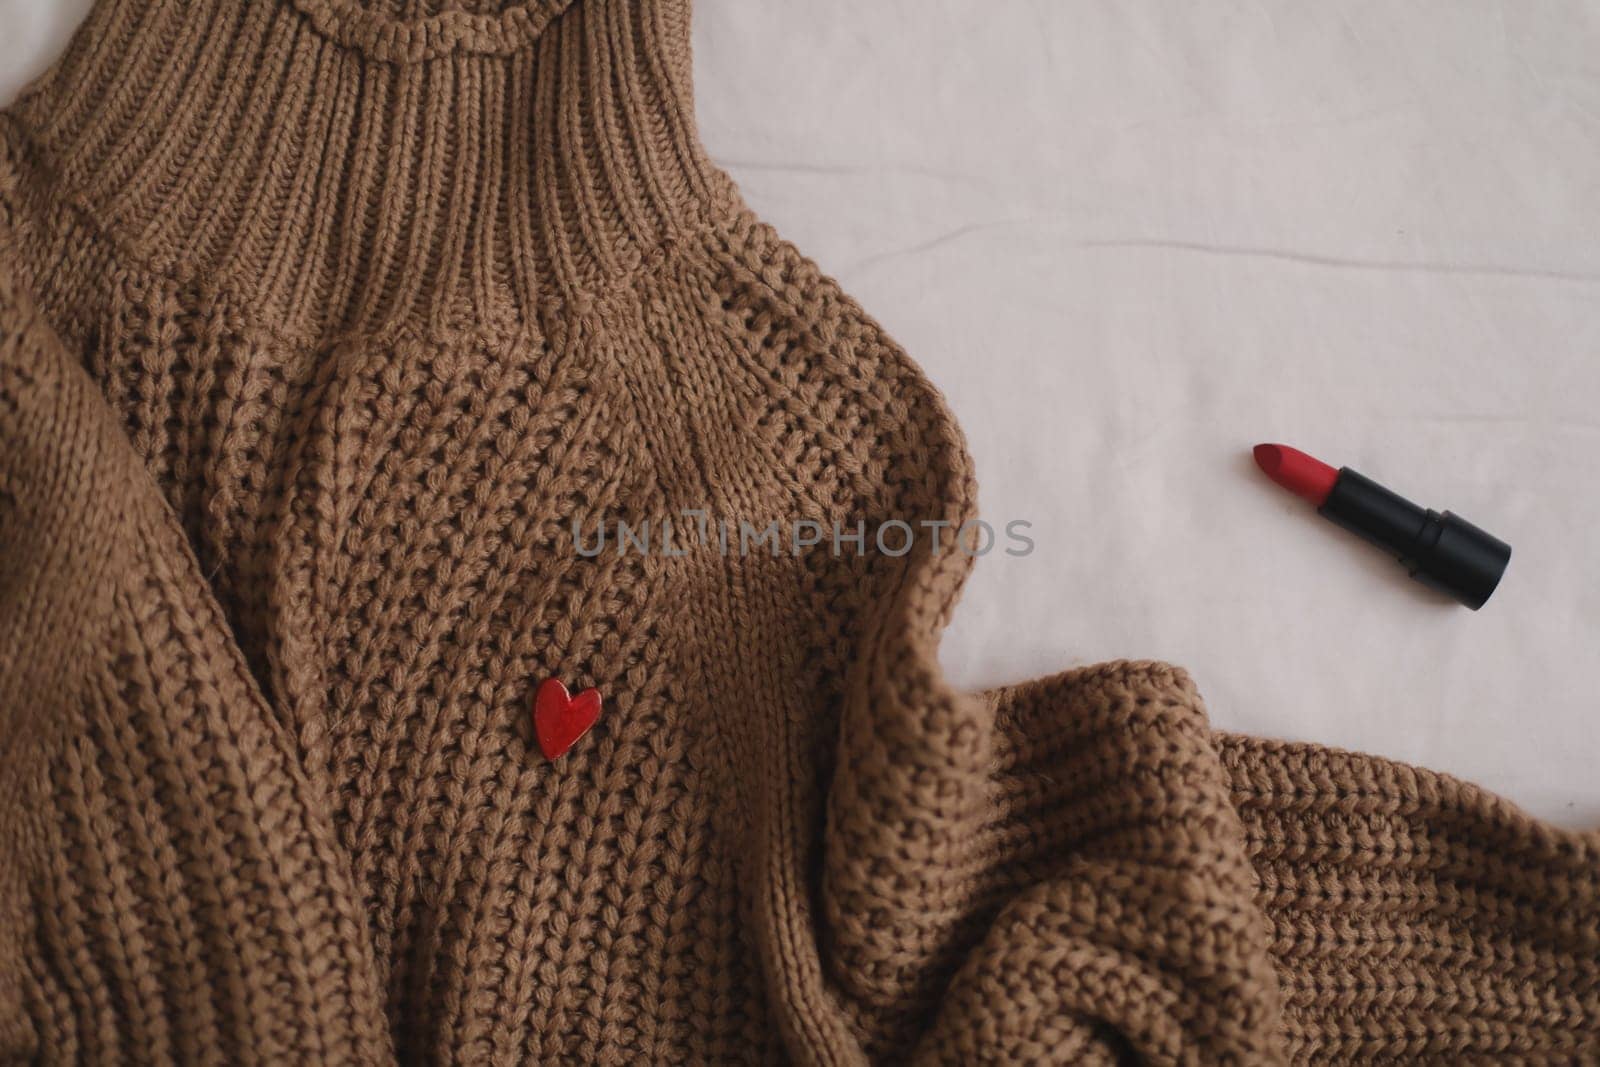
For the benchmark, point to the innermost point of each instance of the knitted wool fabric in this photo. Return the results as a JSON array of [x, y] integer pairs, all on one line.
[[321, 323]]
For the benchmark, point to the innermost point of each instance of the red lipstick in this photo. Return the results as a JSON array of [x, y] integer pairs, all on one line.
[[1304, 476], [1442, 551]]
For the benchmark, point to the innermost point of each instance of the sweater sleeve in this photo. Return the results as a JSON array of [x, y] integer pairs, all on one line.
[[162, 846], [1326, 906], [1142, 886]]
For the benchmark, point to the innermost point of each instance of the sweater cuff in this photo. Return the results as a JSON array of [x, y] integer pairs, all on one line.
[[1414, 916]]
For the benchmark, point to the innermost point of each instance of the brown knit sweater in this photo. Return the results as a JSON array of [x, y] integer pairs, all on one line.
[[321, 323]]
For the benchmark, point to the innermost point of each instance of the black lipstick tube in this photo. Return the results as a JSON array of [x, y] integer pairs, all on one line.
[[1441, 550]]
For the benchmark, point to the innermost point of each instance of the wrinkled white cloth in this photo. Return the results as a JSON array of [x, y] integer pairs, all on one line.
[[1130, 239]]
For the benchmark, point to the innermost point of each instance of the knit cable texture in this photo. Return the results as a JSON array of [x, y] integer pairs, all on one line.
[[324, 325]]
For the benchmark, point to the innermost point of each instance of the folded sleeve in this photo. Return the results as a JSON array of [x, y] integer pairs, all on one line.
[[1101, 877]]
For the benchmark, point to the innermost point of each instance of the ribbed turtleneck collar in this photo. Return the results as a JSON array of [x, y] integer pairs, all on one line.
[[342, 165]]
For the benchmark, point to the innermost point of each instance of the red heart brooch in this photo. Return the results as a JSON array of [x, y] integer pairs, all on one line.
[[559, 718]]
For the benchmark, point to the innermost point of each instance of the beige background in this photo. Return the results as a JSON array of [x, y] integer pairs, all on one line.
[[1130, 238]]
